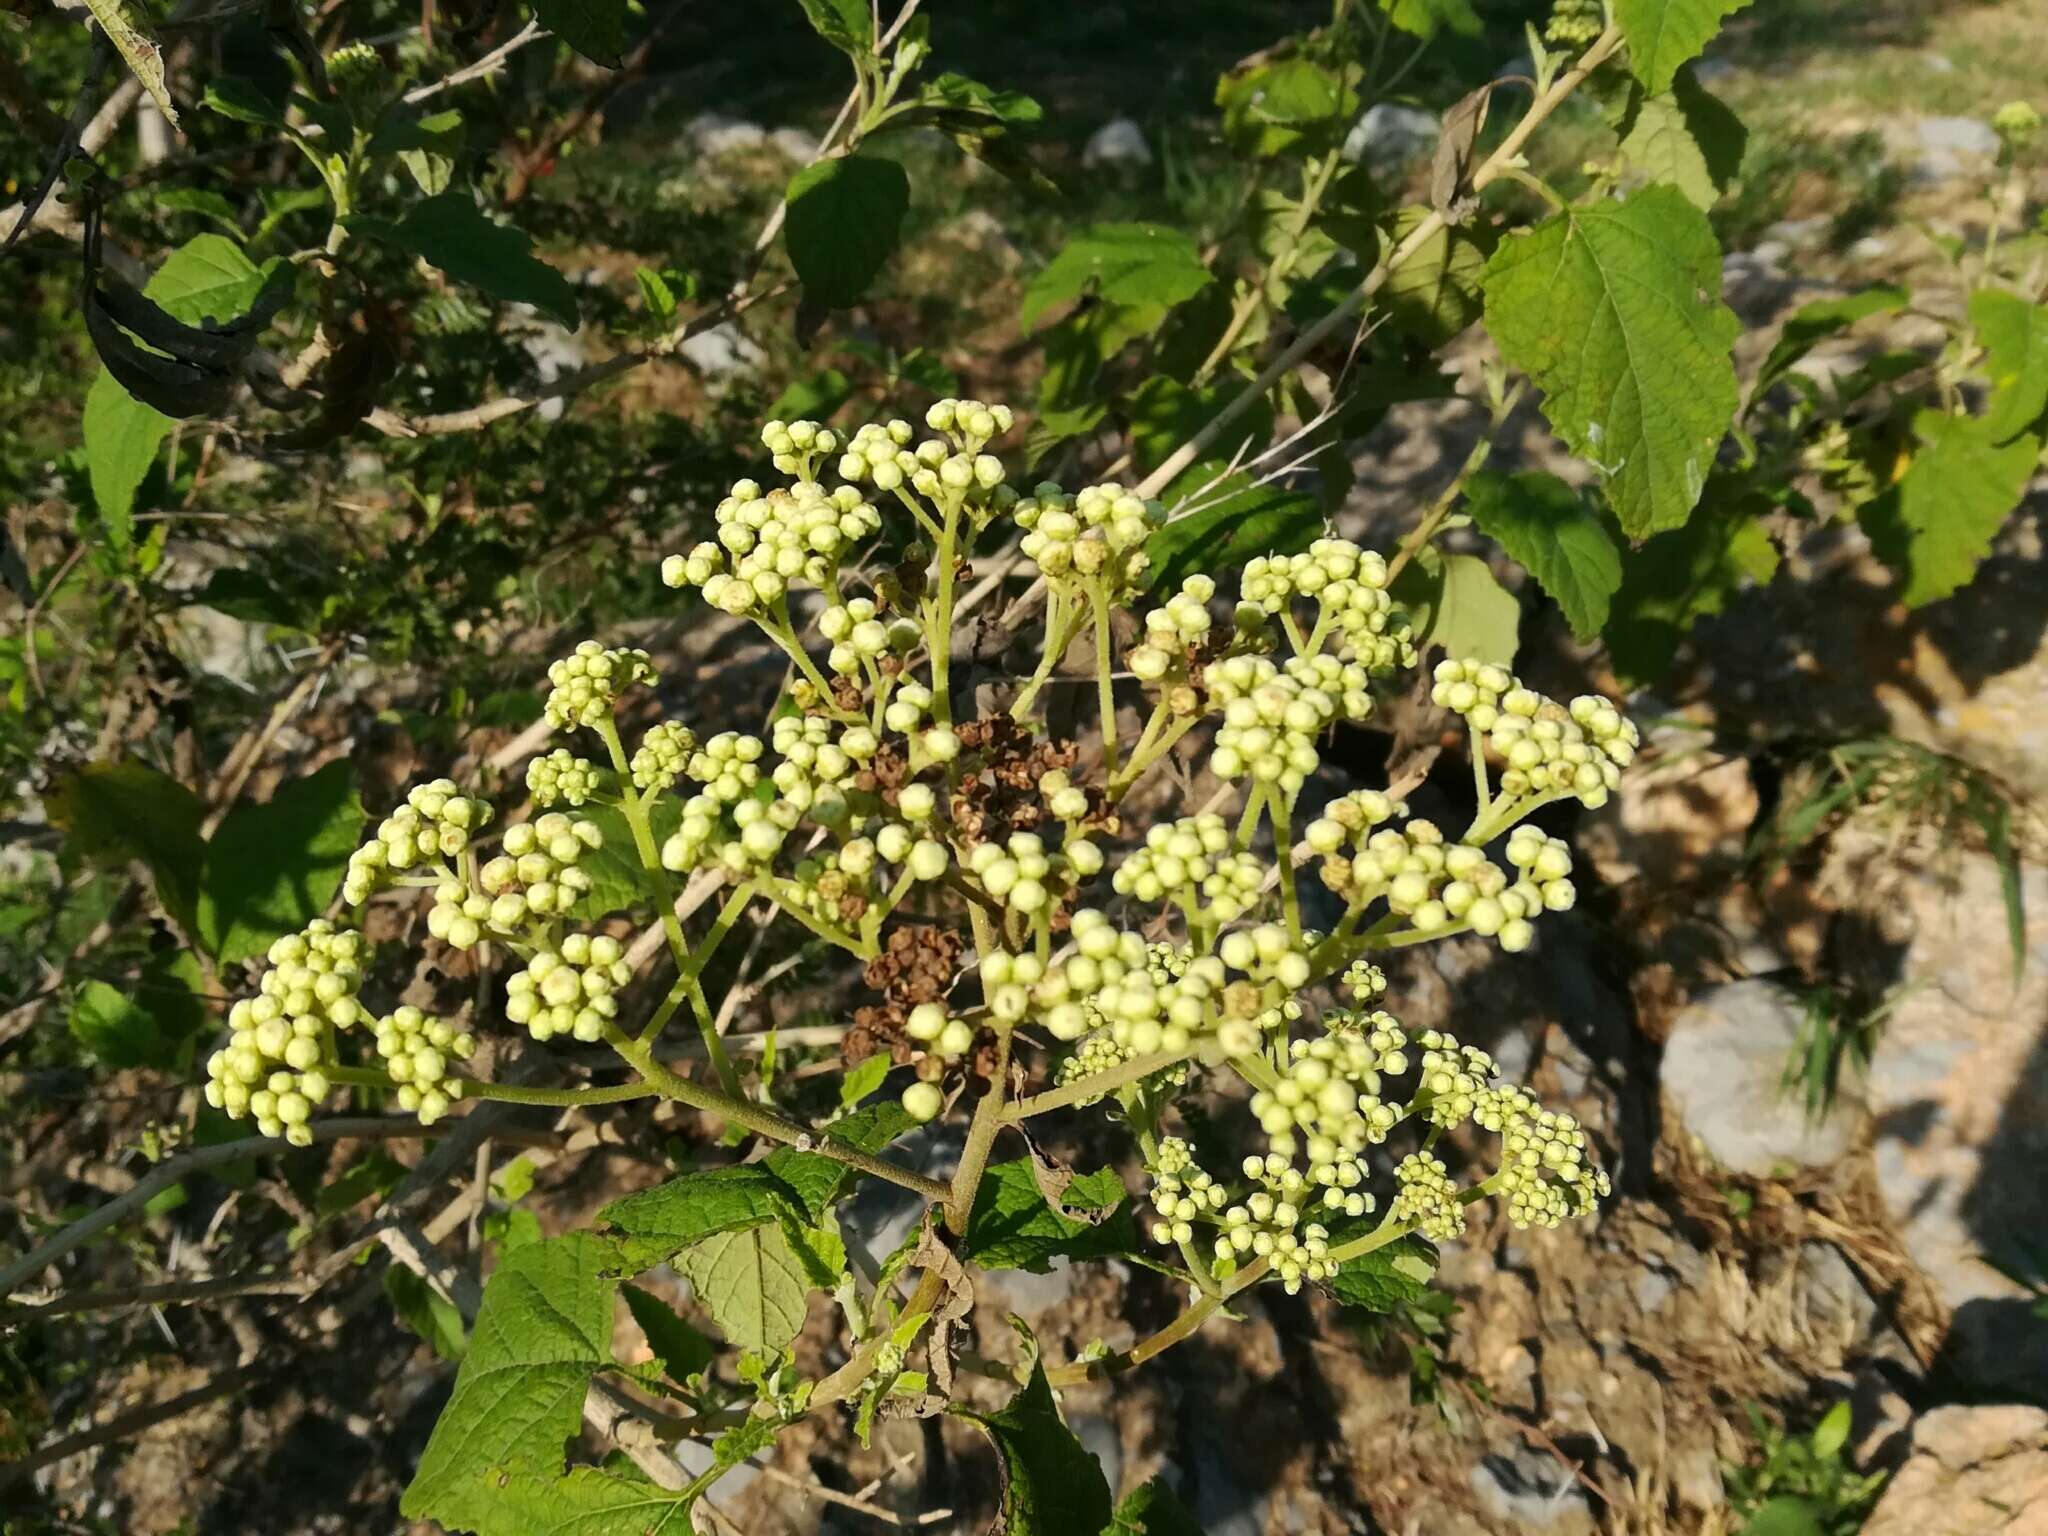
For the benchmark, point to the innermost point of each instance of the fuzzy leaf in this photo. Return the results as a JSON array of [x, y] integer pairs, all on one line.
[[127, 28], [1664, 35], [123, 436], [1544, 527], [817, 1180], [1388, 1277], [1615, 312], [847, 25], [2015, 338], [671, 1217], [752, 1283], [1936, 525], [1012, 1227], [529, 1500], [272, 868], [1813, 323], [1435, 294], [451, 232], [1153, 1510], [1685, 136], [113, 813], [1236, 520], [682, 1349], [1128, 265], [845, 217], [1051, 1485], [1289, 104], [1458, 605], [1426, 18]]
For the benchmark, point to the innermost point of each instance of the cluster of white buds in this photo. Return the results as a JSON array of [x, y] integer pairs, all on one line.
[[970, 423], [767, 541], [570, 990], [939, 1032], [726, 818], [728, 766], [1173, 629], [1022, 875], [664, 752], [1453, 1080], [1270, 1223], [1545, 1176], [537, 873], [1437, 885], [858, 634], [1349, 586], [825, 884], [1551, 750], [1191, 862], [1098, 534], [419, 1052], [797, 445], [587, 683], [946, 472], [435, 824], [1427, 1198], [1095, 1055], [880, 451], [560, 778], [1272, 716], [1182, 1192], [816, 752], [1145, 1001], [273, 1067]]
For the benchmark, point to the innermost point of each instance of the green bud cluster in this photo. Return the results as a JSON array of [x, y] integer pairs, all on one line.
[[1095, 536], [859, 635], [419, 1053], [587, 683], [1349, 588], [943, 1035], [560, 778], [663, 755], [1195, 864], [770, 540], [1545, 1175], [1551, 750], [274, 1066], [818, 756], [1272, 716], [433, 826], [571, 990], [1174, 629], [1427, 1198], [537, 874], [1025, 877]]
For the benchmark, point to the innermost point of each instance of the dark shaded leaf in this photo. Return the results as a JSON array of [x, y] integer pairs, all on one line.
[[845, 218]]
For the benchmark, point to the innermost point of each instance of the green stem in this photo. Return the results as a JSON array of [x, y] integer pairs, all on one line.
[[981, 1136], [1086, 1088], [1283, 852], [513, 1093], [940, 639], [1105, 688], [1062, 623]]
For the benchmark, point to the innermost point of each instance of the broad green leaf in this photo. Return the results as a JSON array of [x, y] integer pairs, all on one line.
[[272, 868], [427, 145], [1832, 1433], [2015, 338], [656, 294], [1457, 604], [1678, 578], [127, 28], [115, 813], [520, 1498], [861, 1081], [242, 101], [1129, 265], [1615, 312], [426, 1312], [544, 1327], [146, 1023], [817, 1180], [813, 398], [1426, 18], [1936, 525], [952, 94], [1011, 1226], [1814, 323], [752, 1284], [1051, 1485], [1386, 1278], [1153, 1510], [107, 1022], [1290, 104], [845, 217], [1435, 294], [1547, 529], [594, 28], [1164, 413], [1786, 1515], [618, 880], [671, 1217], [199, 200], [1235, 519], [1684, 136], [208, 278], [123, 436], [682, 1349], [451, 232], [1663, 35], [847, 25]]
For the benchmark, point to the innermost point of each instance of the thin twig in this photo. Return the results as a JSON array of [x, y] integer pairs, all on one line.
[[532, 32]]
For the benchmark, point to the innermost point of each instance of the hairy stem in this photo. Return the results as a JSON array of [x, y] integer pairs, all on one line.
[[1081, 1090], [981, 1136]]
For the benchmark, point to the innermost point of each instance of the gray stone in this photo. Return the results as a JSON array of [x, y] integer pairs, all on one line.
[[1118, 142], [1528, 1489], [1870, 248], [880, 1216], [1723, 1071], [1800, 234], [713, 133], [1771, 253], [1957, 135], [721, 351], [795, 144], [1389, 137], [1099, 1437], [1973, 1471]]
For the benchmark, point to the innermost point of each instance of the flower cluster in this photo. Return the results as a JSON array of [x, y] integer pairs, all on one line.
[[433, 826], [571, 990], [560, 778], [273, 1067], [537, 875], [1551, 750], [769, 540], [1272, 714], [1096, 537], [663, 756], [419, 1053], [587, 683], [1195, 864], [1349, 588]]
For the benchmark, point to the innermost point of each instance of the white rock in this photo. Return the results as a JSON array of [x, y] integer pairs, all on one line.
[[796, 144], [722, 350], [1120, 141], [1389, 137], [1959, 135], [1724, 1066], [1973, 1471], [713, 133]]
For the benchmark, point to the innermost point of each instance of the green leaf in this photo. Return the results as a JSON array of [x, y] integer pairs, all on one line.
[[1678, 578], [243, 101], [451, 232], [110, 1025], [1615, 312], [1685, 136], [1547, 529], [1051, 1485], [1662, 35], [1389, 1277], [123, 436], [1164, 413], [1435, 294], [864, 1079], [270, 869], [954, 95], [845, 218], [1130, 265], [115, 813], [817, 1180], [671, 1217], [1937, 523], [1832, 1433], [127, 28], [426, 145], [518, 1498], [594, 28], [847, 25], [813, 398], [1786, 1515], [1012, 1227], [1814, 323], [1153, 1510], [752, 1283], [544, 1327], [682, 1350], [208, 278], [1425, 18], [1291, 104], [426, 1312], [1235, 520], [1457, 604], [618, 880], [2014, 334]]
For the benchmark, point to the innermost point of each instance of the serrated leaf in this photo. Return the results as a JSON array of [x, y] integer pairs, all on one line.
[[1426, 18], [1051, 1485], [686, 1210], [427, 145], [113, 813], [107, 1022], [594, 28], [845, 218], [752, 1284], [1547, 529], [426, 1312], [682, 1350], [847, 25], [1138, 266], [1457, 604], [1678, 578], [1290, 104], [544, 1327], [1813, 323], [272, 868], [618, 880], [1936, 525], [243, 101], [127, 28], [1435, 294], [1685, 136], [1664, 35], [1153, 1510], [1235, 520], [1390, 1276], [451, 232], [817, 1180], [2014, 334], [122, 439], [525, 1500], [1012, 1227], [1615, 312], [1164, 413], [861, 1081]]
